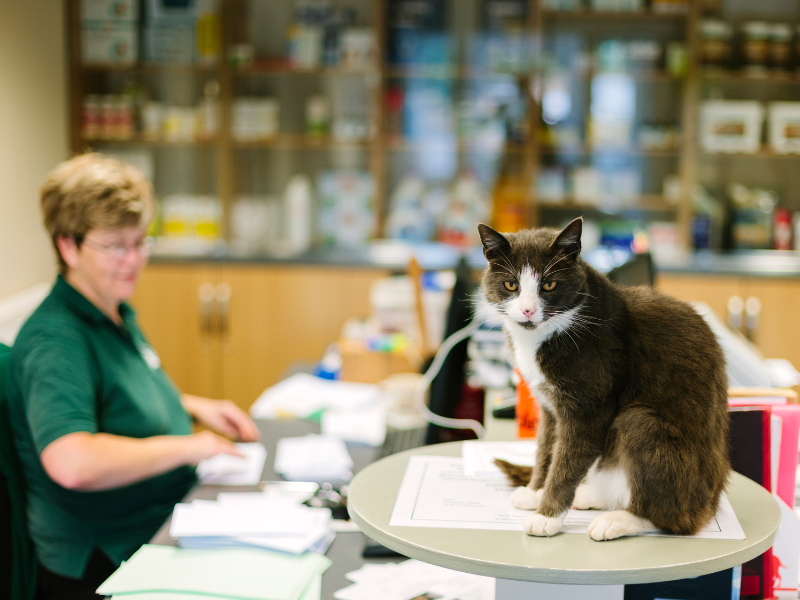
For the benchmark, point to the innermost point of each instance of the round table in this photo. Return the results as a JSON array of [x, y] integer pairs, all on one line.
[[566, 558]]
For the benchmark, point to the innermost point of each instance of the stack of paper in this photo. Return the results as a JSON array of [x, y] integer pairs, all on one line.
[[316, 458], [224, 469], [156, 572], [302, 395], [254, 520], [414, 579]]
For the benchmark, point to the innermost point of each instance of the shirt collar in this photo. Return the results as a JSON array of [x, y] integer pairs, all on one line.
[[82, 306]]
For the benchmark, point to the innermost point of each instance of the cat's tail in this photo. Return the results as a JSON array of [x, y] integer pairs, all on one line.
[[518, 475]]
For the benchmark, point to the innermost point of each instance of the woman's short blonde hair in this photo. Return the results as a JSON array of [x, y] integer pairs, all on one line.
[[91, 191]]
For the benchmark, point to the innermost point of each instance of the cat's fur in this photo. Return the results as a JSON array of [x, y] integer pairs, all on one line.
[[631, 386]]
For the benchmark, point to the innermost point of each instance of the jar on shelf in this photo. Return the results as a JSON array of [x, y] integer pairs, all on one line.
[[715, 48], [756, 45], [780, 47], [91, 117], [797, 47]]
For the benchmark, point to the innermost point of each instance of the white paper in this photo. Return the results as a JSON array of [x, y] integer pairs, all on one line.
[[313, 458], [436, 492], [224, 469], [318, 531], [413, 579], [365, 426], [302, 395], [479, 456], [212, 520]]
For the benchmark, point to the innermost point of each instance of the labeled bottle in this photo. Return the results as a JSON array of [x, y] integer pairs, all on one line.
[[298, 215], [509, 199]]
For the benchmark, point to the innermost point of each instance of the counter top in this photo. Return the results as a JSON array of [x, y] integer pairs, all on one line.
[[389, 255]]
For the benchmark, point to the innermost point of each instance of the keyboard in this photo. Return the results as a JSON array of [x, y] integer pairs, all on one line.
[[398, 440]]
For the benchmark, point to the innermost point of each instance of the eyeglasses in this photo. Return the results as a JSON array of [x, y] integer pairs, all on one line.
[[119, 251]]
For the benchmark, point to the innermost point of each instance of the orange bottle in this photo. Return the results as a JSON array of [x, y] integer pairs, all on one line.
[[527, 411], [509, 200]]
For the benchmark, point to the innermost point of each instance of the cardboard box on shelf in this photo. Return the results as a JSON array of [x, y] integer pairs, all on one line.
[[363, 365]]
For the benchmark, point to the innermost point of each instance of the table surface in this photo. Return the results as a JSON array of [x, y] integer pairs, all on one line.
[[564, 558], [345, 552]]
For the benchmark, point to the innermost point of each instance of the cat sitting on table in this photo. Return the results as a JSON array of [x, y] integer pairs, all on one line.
[[631, 386]]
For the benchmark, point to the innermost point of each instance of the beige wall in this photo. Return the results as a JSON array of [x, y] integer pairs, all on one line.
[[33, 133]]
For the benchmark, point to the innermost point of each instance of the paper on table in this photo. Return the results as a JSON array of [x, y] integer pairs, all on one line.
[[436, 492], [364, 426], [232, 572], [210, 519], [224, 469], [313, 592], [301, 395], [319, 529], [415, 579], [313, 458], [479, 456]]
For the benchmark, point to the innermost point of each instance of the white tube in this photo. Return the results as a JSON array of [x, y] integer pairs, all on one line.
[[430, 374]]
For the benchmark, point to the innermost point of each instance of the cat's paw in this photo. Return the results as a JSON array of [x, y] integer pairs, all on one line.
[[525, 498], [541, 526], [617, 524], [586, 498]]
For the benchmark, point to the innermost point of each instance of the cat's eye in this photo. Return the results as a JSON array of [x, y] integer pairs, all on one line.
[[549, 286], [511, 286]]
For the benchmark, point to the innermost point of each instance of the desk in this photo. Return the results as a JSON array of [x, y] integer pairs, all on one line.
[[345, 552], [565, 558]]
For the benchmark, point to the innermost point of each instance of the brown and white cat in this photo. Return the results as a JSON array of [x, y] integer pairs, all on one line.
[[631, 385]]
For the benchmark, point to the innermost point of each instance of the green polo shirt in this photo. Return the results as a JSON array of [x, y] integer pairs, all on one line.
[[72, 369]]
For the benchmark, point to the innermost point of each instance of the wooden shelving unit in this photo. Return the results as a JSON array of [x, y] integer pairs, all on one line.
[[382, 148]]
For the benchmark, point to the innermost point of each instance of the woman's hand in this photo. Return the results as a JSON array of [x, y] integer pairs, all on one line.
[[206, 444], [223, 416]]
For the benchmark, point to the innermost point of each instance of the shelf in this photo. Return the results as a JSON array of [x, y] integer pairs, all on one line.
[[588, 15], [151, 67], [551, 151], [298, 141], [748, 77], [278, 68], [403, 145], [645, 202], [765, 152], [139, 142], [446, 72]]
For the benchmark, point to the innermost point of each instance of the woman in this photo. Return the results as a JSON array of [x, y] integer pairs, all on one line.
[[104, 437]]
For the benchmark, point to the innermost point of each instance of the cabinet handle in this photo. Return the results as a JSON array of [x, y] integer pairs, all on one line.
[[224, 294], [735, 310], [205, 297], [752, 312]]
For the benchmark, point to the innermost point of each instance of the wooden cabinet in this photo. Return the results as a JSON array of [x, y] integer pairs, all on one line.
[[778, 332], [256, 323]]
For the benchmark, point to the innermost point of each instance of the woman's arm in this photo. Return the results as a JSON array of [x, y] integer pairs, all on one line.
[[87, 462], [223, 416]]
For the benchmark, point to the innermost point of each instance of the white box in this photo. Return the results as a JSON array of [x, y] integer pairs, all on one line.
[[113, 10], [169, 44], [106, 42], [784, 127], [731, 126]]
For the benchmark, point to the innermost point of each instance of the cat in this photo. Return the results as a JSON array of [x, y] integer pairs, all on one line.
[[631, 386]]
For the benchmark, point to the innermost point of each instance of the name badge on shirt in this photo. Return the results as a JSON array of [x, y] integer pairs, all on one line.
[[150, 357]]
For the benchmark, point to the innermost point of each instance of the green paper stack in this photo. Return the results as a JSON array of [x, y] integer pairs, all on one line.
[[166, 573]]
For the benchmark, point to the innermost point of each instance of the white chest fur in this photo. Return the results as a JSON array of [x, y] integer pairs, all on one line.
[[526, 344]]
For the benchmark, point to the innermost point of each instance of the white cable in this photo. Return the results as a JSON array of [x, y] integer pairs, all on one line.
[[430, 374]]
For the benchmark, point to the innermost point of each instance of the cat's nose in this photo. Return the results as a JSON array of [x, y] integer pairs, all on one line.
[[528, 312]]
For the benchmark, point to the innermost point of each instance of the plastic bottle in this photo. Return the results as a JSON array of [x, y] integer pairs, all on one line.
[[297, 207]]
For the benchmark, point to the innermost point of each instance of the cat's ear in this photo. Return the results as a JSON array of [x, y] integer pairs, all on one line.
[[494, 243], [568, 241]]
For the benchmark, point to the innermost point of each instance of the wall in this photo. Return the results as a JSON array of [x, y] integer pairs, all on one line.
[[33, 133]]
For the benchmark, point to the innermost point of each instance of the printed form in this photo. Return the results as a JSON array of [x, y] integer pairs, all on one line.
[[436, 492]]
